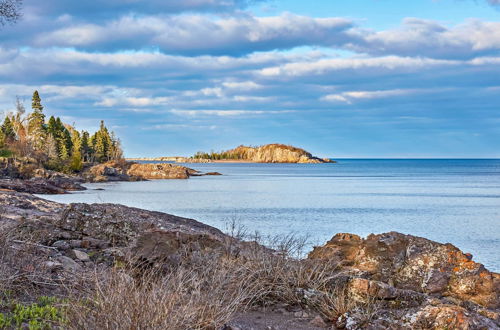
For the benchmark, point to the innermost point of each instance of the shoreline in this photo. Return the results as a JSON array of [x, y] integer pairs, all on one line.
[[220, 161], [378, 275]]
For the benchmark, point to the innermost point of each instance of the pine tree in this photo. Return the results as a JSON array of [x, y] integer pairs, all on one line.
[[36, 123], [8, 130], [85, 147], [52, 126], [76, 152], [102, 143], [36, 102], [2, 140], [63, 152], [66, 140]]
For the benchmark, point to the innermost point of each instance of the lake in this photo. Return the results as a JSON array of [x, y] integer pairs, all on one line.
[[455, 201]]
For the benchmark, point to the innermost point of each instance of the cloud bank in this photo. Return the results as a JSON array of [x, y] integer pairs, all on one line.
[[211, 74]]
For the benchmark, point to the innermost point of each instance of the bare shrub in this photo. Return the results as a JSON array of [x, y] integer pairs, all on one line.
[[184, 298], [23, 272]]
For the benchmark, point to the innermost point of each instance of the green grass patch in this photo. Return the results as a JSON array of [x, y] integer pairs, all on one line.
[[6, 153], [46, 313]]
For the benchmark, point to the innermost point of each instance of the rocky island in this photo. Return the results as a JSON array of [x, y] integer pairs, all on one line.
[[269, 153]]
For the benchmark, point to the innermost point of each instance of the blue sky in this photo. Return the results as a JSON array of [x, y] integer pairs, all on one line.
[[361, 78]]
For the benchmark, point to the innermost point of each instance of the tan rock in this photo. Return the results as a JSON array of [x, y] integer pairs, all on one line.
[[414, 263], [80, 255]]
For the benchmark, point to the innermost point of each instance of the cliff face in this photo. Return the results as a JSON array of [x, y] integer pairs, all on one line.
[[276, 153]]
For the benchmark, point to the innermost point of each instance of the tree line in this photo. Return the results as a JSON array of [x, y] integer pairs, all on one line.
[[52, 143]]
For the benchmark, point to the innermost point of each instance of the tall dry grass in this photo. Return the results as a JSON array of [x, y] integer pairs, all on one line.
[[207, 294], [204, 292]]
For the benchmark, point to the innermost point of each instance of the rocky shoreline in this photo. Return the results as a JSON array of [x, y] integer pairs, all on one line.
[[386, 281], [26, 176]]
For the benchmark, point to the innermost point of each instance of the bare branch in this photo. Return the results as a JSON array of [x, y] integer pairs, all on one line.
[[10, 11]]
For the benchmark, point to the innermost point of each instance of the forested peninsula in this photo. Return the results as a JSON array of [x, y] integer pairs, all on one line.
[[47, 156]]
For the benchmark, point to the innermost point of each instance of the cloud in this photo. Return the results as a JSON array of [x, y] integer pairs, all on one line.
[[110, 102], [349, 97], [188, 34], [182, 127], [173, 71], [418, 37], [325, 66], [228, 113]]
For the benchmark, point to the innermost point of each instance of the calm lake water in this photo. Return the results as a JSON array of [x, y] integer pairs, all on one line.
[[455, 201]]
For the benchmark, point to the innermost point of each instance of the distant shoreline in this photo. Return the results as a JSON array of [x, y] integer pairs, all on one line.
[[193, 161]]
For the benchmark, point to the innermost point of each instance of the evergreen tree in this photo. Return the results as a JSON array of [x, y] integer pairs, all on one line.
[[66, 140], [63, 152], [8, 130], [85, 147], [36, 102], [52, 126], [102, 143], [36, 123], [76, 152], [2, 140]]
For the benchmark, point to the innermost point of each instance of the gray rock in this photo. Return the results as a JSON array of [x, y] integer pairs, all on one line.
[[75, 243], [61, 245], [69, 264], [80, 255], [52, 265]]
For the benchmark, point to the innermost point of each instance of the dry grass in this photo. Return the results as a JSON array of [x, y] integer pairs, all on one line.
[[203, 293], [208, 293], [22, 270]]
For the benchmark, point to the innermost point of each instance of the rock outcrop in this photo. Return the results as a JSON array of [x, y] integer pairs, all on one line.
[[270, 153], [430, 281], [105, 233], [130, 171], [277, 153], [25, 175]]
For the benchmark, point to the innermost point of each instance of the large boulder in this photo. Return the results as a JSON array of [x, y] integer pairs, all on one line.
[[414, 263], [401, 281], [160, 171], [107, 233], [130, 171]]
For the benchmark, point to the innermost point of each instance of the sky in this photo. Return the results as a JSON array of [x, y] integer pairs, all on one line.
[[342, 79]]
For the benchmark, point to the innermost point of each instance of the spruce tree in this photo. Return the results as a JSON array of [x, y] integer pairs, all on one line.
[[85, 147], [8, 130], [36, 102], [36, 123], [76, 164], [2, 140], [52, 126]]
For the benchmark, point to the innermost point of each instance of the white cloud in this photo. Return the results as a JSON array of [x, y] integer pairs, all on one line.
[[188, 33], [349, 97], [325, 66], [227, 113], [133, 101]]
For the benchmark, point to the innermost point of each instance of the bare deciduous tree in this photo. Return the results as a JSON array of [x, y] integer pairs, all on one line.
[[10, 11]]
